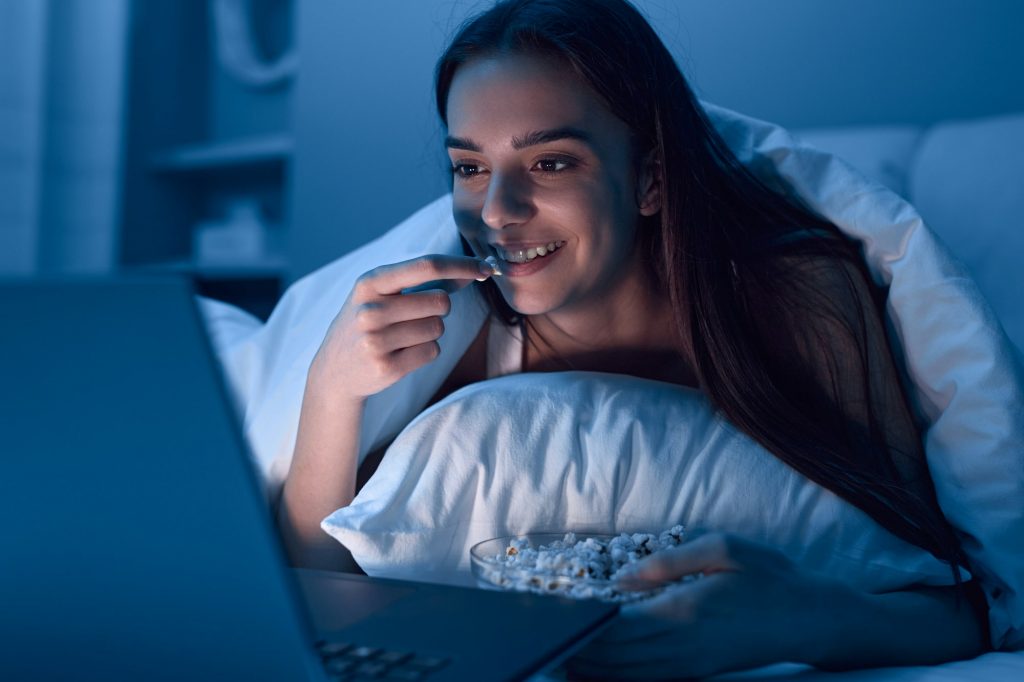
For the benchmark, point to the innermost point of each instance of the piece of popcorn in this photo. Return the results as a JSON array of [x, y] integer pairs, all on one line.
[[495, 268]]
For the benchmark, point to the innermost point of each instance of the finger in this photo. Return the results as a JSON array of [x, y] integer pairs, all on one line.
[[376, 315], [407, 334], [445, 285], [412, 358], [705, 554], [392, 279]]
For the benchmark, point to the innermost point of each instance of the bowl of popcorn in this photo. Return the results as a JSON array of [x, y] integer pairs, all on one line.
[[581, 566]]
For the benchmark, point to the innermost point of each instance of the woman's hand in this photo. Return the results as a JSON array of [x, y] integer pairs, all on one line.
[[752, 607], [390, 324], [388, 327]]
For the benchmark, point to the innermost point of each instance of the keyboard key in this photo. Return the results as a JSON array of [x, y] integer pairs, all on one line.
[[393, 657], [336, 666], [344, 662], [331, 649], [362, 652], [370, 670]]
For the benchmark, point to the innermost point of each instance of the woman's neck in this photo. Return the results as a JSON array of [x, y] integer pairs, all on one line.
[[631, 331]]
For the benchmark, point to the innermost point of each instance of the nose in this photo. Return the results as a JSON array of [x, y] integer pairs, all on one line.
[[507, 202]]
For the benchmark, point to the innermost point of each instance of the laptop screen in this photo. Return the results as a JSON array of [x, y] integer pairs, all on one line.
[[137, 543]]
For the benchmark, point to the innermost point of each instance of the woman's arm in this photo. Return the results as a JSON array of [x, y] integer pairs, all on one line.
[[923, 626], [322, 477], [383, 332], [754, 607]]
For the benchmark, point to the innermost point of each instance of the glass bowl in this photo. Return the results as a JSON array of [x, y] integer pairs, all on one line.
[[494, 568]]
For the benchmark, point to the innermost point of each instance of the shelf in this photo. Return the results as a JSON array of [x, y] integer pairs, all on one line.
[[268, 268], [257, 151]]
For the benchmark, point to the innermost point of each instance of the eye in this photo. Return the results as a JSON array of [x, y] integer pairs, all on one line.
[[465, 170], [553, 165]]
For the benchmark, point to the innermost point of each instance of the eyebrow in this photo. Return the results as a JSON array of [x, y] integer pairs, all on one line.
[[529, 140]]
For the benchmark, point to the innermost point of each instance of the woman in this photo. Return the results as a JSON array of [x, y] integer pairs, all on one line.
[[630, 240]]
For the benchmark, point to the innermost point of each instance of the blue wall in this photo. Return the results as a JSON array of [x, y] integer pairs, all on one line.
[[368, 150], [837, 62]]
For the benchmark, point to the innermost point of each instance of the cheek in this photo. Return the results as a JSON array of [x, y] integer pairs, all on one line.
[[618, 215], [598, 214], [574, 207], [602, 194], [468, 222]]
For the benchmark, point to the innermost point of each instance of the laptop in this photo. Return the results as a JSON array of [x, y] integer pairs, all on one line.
[[137, 543]]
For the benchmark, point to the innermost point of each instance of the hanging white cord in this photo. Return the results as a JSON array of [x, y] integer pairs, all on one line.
[[237, 51]]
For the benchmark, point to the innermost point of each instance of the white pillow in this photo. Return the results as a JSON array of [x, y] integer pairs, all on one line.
[[599, 453], [881, 153], [968, 183]]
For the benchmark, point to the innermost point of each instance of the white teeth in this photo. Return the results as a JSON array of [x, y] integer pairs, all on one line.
[[526, 255]]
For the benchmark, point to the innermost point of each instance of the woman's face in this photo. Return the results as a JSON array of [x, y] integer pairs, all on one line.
[[543, 180]]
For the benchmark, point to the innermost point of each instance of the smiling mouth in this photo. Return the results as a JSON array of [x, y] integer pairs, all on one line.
[[517, 256]]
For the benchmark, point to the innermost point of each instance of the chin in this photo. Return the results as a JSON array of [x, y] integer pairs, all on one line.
[[528, 305], [526, 308]]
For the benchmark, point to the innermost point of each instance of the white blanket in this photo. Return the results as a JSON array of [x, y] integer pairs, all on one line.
[[965, 381]]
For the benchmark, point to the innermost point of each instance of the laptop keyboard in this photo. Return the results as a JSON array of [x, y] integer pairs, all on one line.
[[349, 663]]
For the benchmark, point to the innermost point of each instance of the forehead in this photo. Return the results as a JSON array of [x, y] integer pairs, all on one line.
[[494, 99]]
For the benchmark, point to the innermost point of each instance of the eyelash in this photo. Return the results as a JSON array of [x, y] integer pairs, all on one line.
[[459, 169]]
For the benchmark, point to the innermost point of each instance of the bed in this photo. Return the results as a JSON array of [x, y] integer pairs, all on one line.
[[416, 519]]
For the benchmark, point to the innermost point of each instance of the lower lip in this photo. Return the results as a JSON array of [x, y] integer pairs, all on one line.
[[529, 267]]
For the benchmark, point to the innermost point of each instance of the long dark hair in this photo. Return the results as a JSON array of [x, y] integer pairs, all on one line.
[[714, 245]]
